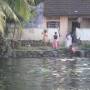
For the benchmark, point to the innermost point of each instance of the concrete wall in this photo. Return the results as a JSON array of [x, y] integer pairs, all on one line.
[[83, 34], [32, 34], [50, 30], [36, 34], [63, 28], [85, 23]]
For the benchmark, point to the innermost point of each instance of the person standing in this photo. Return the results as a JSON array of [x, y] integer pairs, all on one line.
[[74, 37], [45, 37], [68, 41], [55, 43]]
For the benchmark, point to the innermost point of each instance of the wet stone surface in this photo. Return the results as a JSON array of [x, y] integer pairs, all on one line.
[[60, 53], [36, 54], [45, 74]]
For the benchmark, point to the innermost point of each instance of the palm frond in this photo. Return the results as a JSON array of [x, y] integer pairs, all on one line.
[[2, 20], [22, 8], [7, 8], [8, 11]]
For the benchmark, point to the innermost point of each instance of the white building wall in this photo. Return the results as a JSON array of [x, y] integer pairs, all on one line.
[[36, 34], [32, 34]]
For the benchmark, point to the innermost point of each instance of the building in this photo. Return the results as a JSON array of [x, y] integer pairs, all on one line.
[[66, 15]]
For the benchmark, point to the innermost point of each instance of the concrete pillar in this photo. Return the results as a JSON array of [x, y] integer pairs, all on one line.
[[45, 23], [63, 28]]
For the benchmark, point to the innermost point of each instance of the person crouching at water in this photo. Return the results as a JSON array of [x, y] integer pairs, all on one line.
[[55, 43], [75, 49]]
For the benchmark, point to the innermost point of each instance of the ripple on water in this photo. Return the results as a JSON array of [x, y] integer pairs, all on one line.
[[45, 74]]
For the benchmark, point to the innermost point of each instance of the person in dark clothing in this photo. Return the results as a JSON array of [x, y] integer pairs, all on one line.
[[55, 36], [74, 38], [55, 43]]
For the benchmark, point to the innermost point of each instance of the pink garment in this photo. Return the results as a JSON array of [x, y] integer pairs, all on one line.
[[74, 49], [55, 44]]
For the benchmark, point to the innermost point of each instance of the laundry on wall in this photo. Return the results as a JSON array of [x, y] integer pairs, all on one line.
[[83, 33]]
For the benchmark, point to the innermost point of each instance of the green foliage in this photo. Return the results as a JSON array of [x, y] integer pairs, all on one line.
[[5, 12], [31, 2], [34, 2], [21, 8], [37, 1], [11, 8]]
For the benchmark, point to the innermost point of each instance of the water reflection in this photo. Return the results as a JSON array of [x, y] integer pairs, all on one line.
[[45, 74]]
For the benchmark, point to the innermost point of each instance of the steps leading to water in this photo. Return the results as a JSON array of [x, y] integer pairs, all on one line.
[[48, 53]]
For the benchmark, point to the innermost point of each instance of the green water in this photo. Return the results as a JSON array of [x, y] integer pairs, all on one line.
[[45, 74]]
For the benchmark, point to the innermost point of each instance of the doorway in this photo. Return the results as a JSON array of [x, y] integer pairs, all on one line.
[[75, 25]]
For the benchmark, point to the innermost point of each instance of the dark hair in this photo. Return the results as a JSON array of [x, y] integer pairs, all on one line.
[[45, 31], [55, 32], [55, 35]]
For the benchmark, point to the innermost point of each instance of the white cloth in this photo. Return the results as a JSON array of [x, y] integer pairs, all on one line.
[[68, 41], [83, 34]]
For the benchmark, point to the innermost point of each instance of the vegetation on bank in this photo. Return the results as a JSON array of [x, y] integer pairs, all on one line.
[[14, 12]]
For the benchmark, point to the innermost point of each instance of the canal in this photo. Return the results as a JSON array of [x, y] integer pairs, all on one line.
[[45, 74]]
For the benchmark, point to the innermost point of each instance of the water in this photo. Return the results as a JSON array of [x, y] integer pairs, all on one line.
[[45, 74]]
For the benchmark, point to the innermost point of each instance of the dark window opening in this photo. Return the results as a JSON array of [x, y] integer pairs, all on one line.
[[73, 33], [53, 24], [75, 25]]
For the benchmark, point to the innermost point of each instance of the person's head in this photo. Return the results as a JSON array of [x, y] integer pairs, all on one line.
[[55, 32], [45, 31]]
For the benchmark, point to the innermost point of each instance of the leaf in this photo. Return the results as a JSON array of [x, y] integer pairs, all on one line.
[[23, 9], [8, 11]]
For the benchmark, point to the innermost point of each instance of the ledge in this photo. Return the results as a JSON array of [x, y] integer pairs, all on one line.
[[48, 53]]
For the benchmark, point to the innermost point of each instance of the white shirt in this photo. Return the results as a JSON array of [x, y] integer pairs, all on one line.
[[68, 41]]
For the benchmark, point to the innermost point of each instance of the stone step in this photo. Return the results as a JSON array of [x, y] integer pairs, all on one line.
[[48, 53]]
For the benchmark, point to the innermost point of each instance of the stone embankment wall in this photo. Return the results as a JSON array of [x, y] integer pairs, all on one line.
[[35, 54], [51, 53]]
